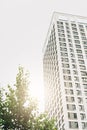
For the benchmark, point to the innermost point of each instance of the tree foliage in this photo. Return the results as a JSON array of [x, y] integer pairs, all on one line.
[[42, 122], [14, 114]]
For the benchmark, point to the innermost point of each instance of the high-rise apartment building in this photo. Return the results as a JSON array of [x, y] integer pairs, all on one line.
[[65, 71]]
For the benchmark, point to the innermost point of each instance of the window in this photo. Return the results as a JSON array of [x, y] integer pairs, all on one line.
[[73, 124], [77, 85], [82, 67], [80, 56], [83, 116], [85, 93], [84, 42], [69, 40], [68, 31], [85, 86], [84, 79], [81, 108], [68, 36], [71, 50], [63, 127], [83, 73], [73, 60], [74, 29], [72, 55], [78, 51], [65, 59], [70, 99], [61, 30], [72, 115], [76, 33], [82, 30], [63, 118], [67, 27], [62, 39], [66, 77], [66, 71], [61, 34], [60, 122], [62, 44], [69, 91], [64, 54], [63, 49], [58, 22], [85, 51], [60, 26], [71, 107], [76, 78], [80, 100], [61, 23], [80, 26], [86, 56], [85, 47], [74, 66], [81, 61], [76, 37], [67, 84], [67, 23], [78, 46], [84, 125], [73, 25], [70, 45], [75, 72], [61, 110], [83, 38], [65, 65], [86, 100], [79, 92], [77, 41], [83, 34], [59, 115]]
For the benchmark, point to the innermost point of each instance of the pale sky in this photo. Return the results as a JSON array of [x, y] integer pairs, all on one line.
[[23, 29]]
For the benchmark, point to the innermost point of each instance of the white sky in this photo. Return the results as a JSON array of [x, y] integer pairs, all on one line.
[[23, 29]]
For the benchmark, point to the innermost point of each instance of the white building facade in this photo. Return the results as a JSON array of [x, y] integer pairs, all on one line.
[[65, 71]]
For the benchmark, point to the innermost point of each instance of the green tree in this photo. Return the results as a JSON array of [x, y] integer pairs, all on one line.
[[15, 114], [42, 122]]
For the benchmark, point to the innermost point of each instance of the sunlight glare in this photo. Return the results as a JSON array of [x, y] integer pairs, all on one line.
[[37, 93], [26, 104]]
